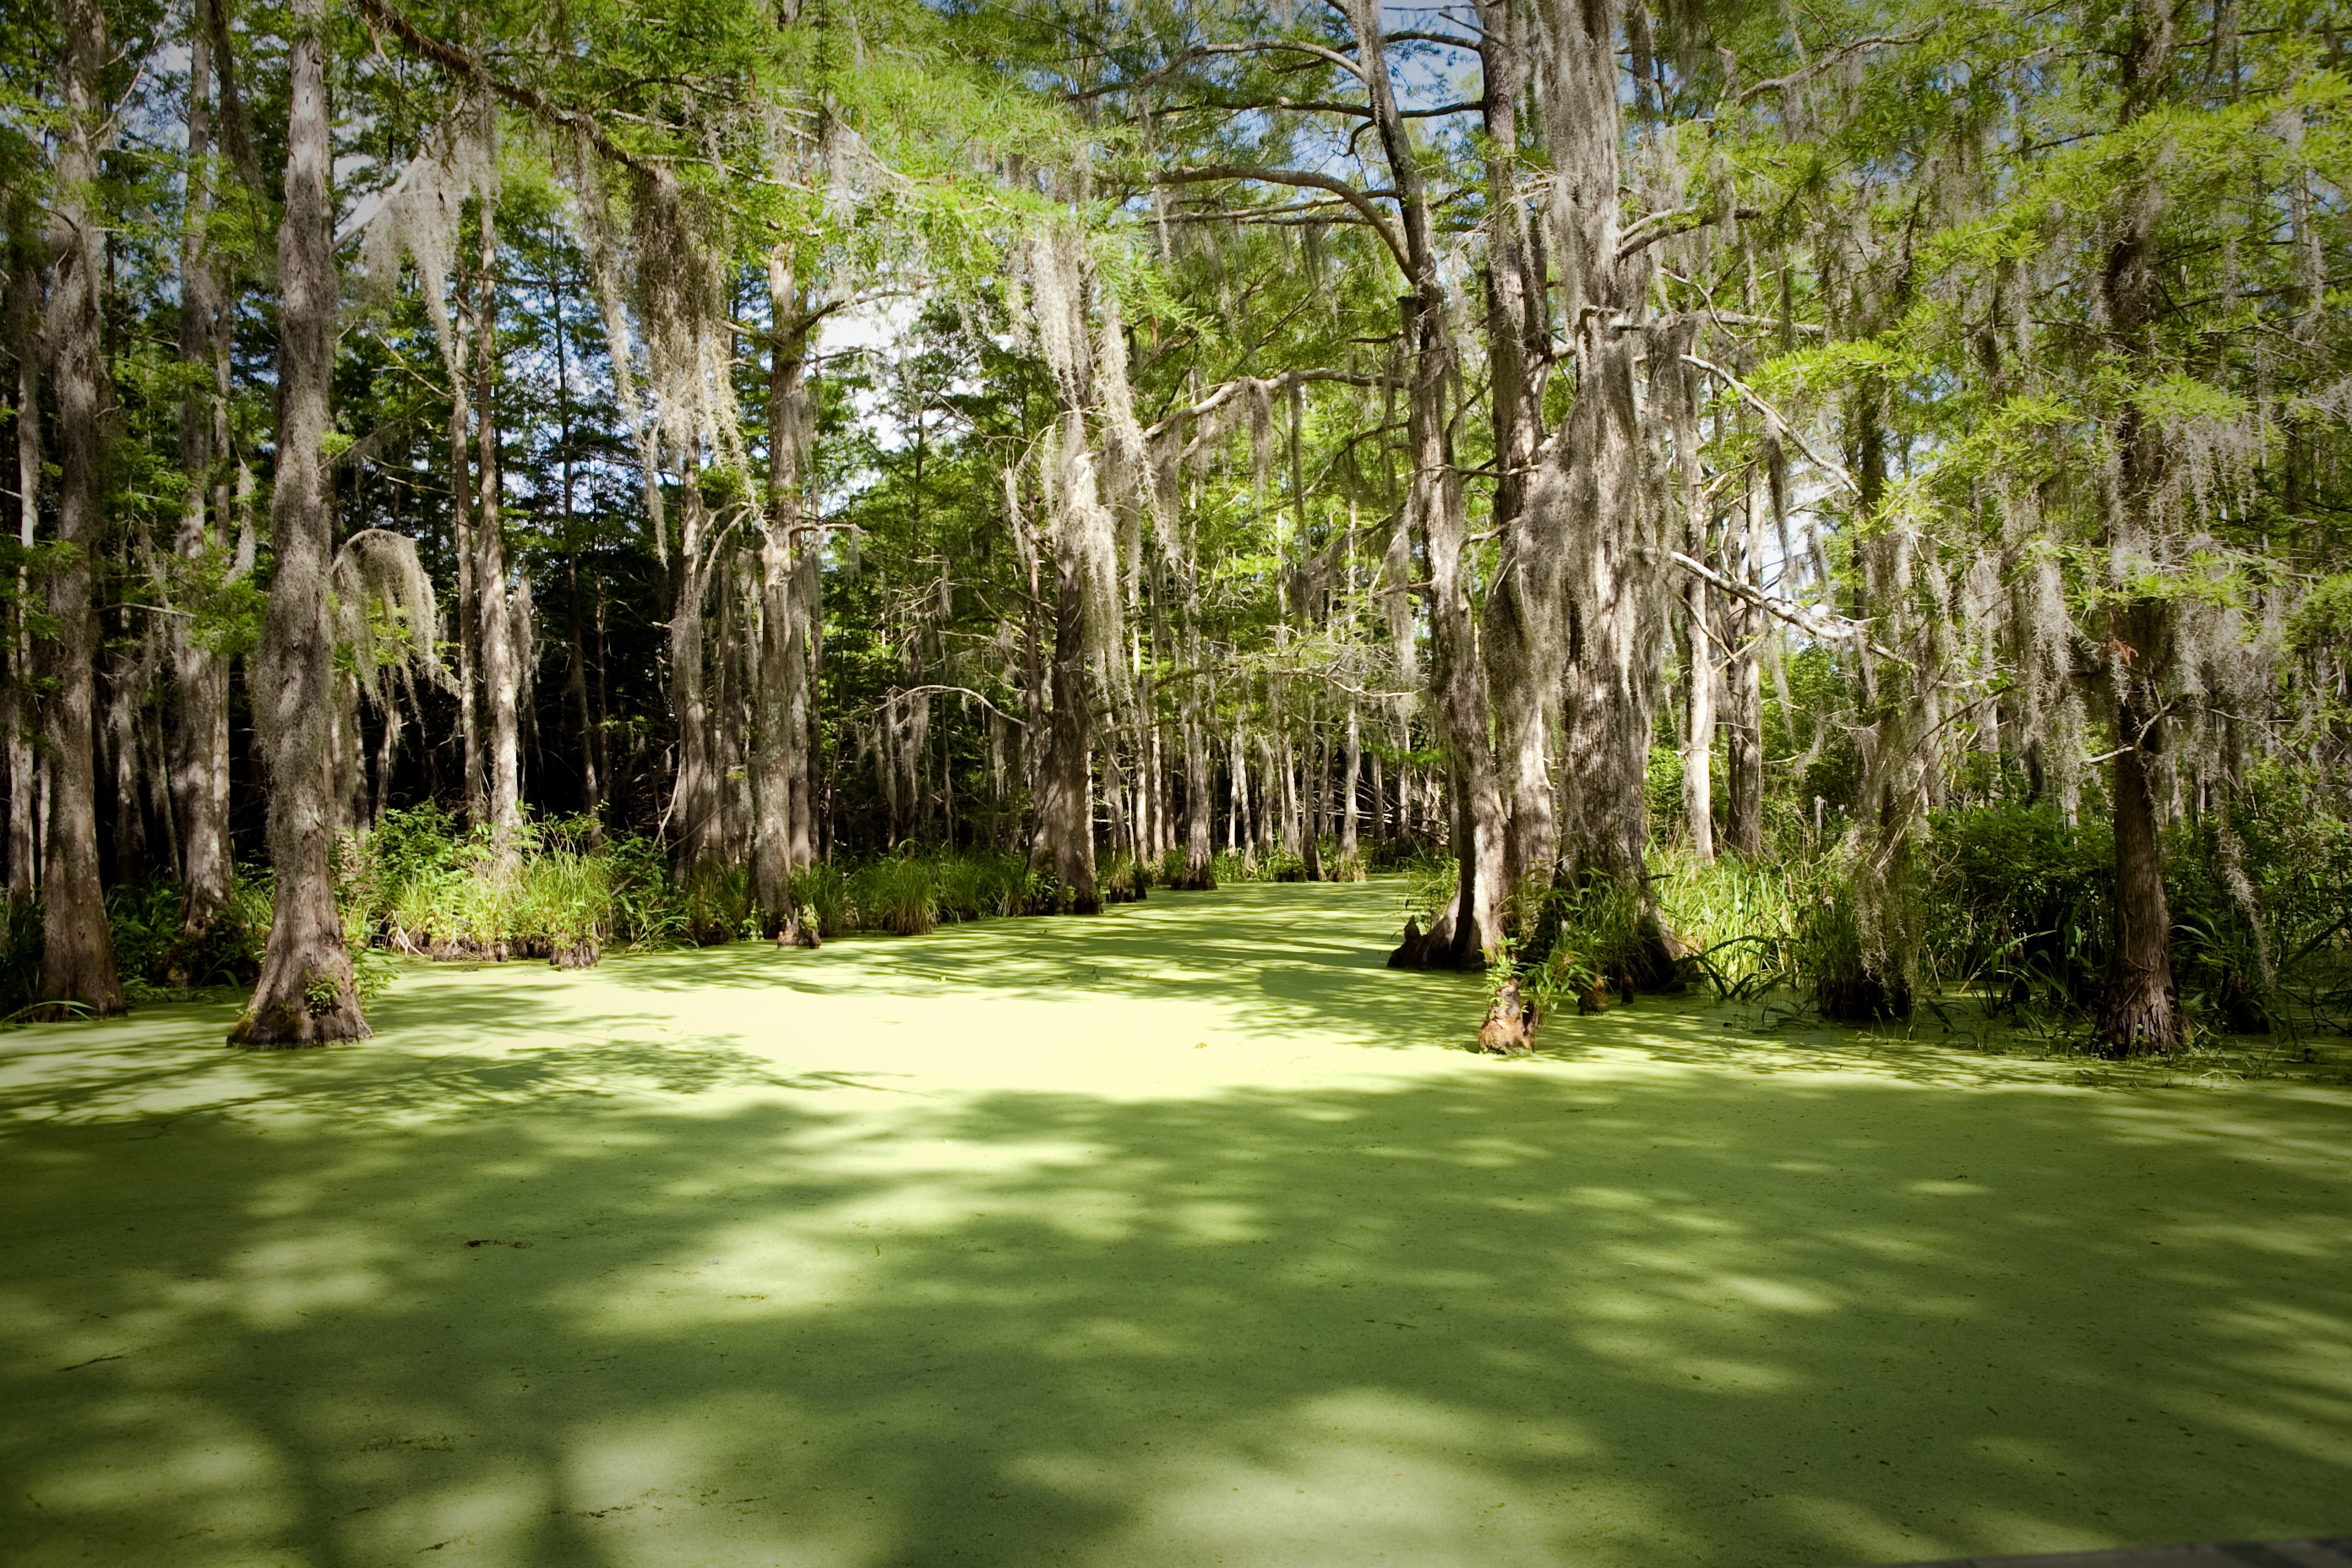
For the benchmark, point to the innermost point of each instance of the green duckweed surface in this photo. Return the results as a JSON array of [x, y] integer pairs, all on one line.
[[1185, 1236]]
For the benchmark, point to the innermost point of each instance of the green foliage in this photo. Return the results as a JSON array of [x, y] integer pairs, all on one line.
[[897, 893], [2020, 901], [20, 954], [1432, 877], [416, 884]]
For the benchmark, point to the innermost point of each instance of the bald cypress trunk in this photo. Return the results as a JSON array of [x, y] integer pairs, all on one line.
[[1522, 632], [199, 673], [1743, 750], [21, 712], [2139, 1005], [1613, 612], [501, 675], [305, 997], [1693, 638], [78, 948], [1434, 506], [694, 798], [1065, 840], [778, 694]]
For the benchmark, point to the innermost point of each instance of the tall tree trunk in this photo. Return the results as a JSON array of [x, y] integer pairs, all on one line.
[[1066, 839], [1743, 751], [1522, 614], [592, 779], [200, 674], [130, 672], [1612, 631], [462, 546], [1354, 765], [78, 948], [305, 997], [2139, 1005], [1239, 838], [805, 608], [1435, 509], [502, 673], [1693, 636], [694, 799], [777, 727], [23, 712], [1199, 847]]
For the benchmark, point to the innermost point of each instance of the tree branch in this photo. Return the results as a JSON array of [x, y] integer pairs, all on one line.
[[468, 67], [1273, 385], [1798, 77], [1648, 231], [1780, 427], [1812, 623], [1360, 200]]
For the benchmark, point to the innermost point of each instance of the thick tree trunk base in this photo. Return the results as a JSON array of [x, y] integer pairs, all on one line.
[[1863, 997], [1510, 1025], [284, 1026], [1194, 879], [582, 954], [68, 1009], [1431, 949], [2139, 1012]]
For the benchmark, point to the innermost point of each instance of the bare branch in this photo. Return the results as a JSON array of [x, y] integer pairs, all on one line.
[[1780, 427], [1812, 623], [1283, 383], [1360, 200], [1666, 225], [1798, 78], [467, 68]]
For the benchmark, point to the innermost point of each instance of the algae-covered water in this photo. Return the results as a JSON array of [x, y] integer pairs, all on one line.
[[1184, 1235]]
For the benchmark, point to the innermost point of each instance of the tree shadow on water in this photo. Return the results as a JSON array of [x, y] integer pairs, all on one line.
[[613, 1306]]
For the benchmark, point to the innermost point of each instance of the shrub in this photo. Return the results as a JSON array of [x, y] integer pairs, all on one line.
[[1122, 880], [896, 893]]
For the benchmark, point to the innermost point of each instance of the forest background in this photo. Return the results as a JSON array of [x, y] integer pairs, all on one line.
[[1841, 501]]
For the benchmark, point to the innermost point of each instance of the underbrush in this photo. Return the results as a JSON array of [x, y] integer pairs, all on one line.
[[1290, 866], [2006, 911]]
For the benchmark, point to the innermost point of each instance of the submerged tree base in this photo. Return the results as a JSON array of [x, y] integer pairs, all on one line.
[[295, 1028], [2139, 1012], [1510, 1025]]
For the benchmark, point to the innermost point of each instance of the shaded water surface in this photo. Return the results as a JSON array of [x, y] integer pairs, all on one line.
[[1180, 1236]]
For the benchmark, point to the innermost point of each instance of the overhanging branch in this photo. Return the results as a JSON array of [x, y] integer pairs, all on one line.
[[1360, 200]]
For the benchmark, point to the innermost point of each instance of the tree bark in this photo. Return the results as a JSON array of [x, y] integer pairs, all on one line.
[[779, 693], [23, 706], [77, 947], [462, 547], [199, 673], [1694, 639], [1434, 507], [502, 676], [1349, 857], [305, 997], [1065, 838], [2139, 1007], [1614, 633], [694, 796], [1522, 614], [1743, 750]]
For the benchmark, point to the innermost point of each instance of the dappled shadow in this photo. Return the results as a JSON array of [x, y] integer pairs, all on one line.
[[637, 1302], [1315, 955]]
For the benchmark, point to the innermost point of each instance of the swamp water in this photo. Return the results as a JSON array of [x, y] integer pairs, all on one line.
[[1185, 1236]]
